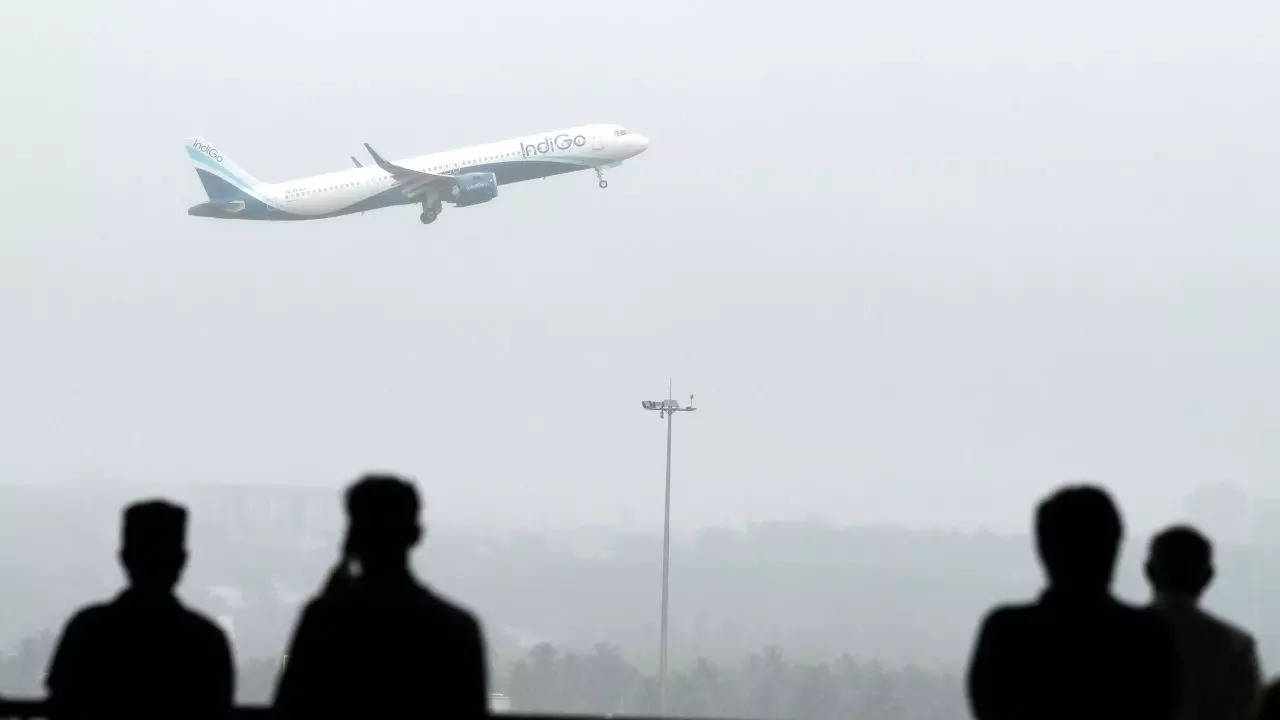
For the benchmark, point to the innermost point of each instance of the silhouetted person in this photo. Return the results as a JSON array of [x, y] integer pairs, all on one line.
[[1220, 675], [376, 643], [143, 655], [1075, 653]]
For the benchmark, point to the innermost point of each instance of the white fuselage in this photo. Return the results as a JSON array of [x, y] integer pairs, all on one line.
[[363, 188]]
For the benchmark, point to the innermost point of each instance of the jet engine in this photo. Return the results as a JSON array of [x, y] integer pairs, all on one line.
[[475, 188]]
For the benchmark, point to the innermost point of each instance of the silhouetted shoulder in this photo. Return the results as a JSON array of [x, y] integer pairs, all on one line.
[[1239, 637], [77, 637], [83, 631], [441, 614], [110, 614], [199, 622], [999, 634], [204, 630], [89, 618], [1205, 632], [1010, 618], [448, 611], [452, 620], [1012, 612]]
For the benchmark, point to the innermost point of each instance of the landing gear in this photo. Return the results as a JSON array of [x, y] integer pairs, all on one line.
[[430, 210], [600, 174]]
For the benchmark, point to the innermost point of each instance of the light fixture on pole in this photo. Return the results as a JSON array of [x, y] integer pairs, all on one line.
[[666, 410]]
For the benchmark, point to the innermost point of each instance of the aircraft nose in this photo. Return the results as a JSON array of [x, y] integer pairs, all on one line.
[[638, 142]]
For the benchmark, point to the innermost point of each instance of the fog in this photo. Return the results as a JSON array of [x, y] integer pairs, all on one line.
[[919, 261]]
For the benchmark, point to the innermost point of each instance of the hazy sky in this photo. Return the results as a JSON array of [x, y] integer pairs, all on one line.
[[920, 261]]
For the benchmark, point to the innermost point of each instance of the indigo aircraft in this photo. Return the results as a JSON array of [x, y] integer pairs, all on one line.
[[468, 176]]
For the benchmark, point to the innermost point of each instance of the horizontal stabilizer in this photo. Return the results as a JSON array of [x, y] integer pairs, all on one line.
[[216, 208]]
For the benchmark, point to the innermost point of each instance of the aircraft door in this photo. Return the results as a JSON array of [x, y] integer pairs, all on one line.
[[597, 142]]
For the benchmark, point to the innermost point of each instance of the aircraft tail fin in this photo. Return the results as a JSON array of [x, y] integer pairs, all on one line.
[[222, 178]]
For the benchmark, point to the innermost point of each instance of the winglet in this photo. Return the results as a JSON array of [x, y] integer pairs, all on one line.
[[357, 162], [410, 179], [376, 157]]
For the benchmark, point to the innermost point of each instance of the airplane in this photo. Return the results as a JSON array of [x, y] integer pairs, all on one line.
[[464, 177]]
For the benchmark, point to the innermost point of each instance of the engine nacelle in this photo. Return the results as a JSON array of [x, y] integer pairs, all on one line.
[[475, 188]]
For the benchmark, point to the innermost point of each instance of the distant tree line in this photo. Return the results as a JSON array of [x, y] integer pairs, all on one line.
[[763, 685]]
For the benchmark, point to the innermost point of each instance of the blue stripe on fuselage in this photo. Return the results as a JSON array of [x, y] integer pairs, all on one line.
[[520, 170], [506, 172]]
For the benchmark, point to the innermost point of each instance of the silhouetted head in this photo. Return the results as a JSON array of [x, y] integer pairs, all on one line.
[[382, 512], [1078, 532], [153, 544], [1180, 562]]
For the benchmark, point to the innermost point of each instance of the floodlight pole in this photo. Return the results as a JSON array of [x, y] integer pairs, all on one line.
[[666, 409], [666, 572]]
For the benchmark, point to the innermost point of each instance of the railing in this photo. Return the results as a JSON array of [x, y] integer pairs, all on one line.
[[13, 709]]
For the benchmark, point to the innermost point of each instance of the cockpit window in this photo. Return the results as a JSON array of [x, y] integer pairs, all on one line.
[[619, 133]]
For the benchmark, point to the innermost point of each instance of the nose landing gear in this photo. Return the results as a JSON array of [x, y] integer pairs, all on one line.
[[600, 175]]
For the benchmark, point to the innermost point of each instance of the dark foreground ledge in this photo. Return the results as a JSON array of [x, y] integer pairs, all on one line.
[[23, 709]]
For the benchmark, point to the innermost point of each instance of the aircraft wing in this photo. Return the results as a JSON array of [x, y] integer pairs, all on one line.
[[413, 182]]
